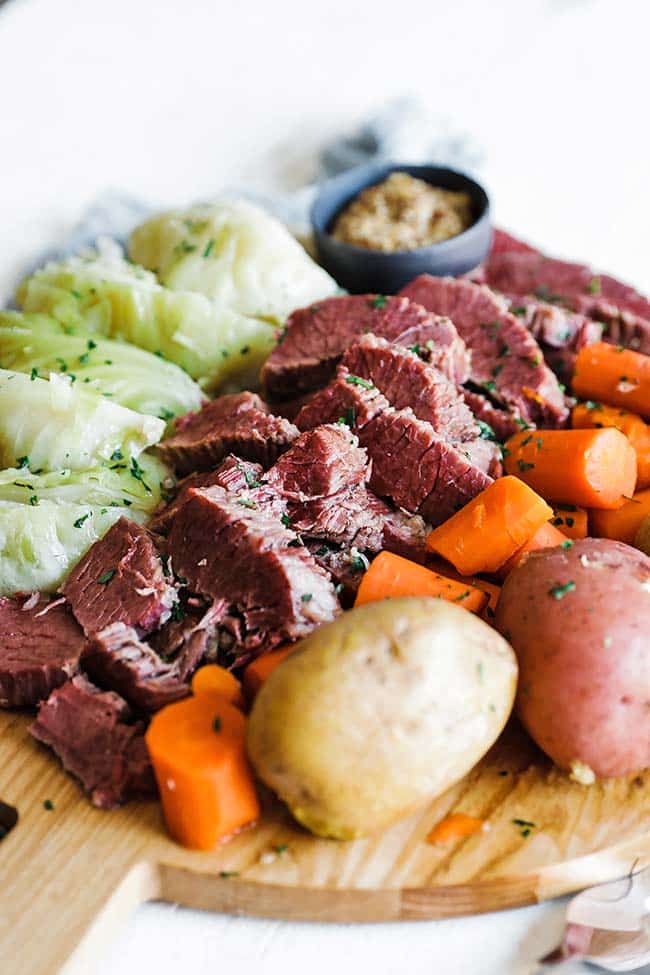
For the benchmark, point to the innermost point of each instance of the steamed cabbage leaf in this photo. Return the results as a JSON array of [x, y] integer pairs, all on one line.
[[106, 294], [40, 543], [55, 424], [37, 344], [236, 254], [124, 483]]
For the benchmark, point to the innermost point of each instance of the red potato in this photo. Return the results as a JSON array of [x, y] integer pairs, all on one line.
[[579, 622]]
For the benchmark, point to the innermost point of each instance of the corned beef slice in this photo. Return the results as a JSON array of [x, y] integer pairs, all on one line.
[[117, 660], [186, 641], [501, 422], [317, 336], [343, 400], [618, 325], [405, 380], [506, 359], [238, 423], [92, 734], [560, 332], [415, 467], [40, 647], [120, 579], [232, 474], [320, 463], [229, 549]]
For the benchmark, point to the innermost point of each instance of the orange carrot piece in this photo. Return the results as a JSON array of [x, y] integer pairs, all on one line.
[[212, 679], [591, 468], [635, 429], [391, 575], [572, 521], [613, 375], [260, 669], [491, 590], [623, 523], [487, 531], [457, 826], [197, 749], [545, 537]]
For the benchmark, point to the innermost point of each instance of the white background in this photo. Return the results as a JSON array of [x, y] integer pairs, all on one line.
[[171, 100]]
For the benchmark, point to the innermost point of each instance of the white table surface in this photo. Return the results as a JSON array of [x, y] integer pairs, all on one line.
[[171, 100]]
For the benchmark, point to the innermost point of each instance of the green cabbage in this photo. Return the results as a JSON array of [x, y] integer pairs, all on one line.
[[38, 344], [40, 544], [236, 254], [56, 424], [136, 485], [104, 293]]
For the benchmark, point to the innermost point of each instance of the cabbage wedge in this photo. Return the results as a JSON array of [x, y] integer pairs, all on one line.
[[40, 543], [38, 345], [234, 253], [49, 425], [106, 294]]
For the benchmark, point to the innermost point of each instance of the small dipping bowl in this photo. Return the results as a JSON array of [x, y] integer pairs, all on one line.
[[360, 270]]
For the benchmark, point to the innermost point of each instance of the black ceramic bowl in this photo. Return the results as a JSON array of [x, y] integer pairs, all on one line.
[[358, 269]]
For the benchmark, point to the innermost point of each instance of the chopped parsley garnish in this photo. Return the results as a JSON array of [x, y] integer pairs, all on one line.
[[164, 561], [594, 286], [524, 466], [349, 418], [245, 349], [209, 247], [323, 550], [250, 478], [286, 520], [75, 294], [33, 500], [497, 369], [177, 613], [358, 381], [106, 577], [519, 310], [521, 423], [216, 723], [546, 294], [281, 848], [415, 349], [63, 365], [379, 302], [485, 430], [22, 462], [525, 826], [504, 351], [166, 414], [359, 563], [33, 374], [48, 804], [463, 595], [84, 358], [79, 522], [184, 247], [306, 597], [560, 591], [224, 874], [138, 474], [117, 454], [90, 344], [567, 544], [245, 503], [526, 440]]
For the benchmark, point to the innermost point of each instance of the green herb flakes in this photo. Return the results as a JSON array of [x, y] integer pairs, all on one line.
[[560, 591], [106, 577]]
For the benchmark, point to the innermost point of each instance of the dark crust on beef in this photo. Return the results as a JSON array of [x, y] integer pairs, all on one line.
[[316, 337], [93, 734], [117, 660], [39, 649], [134, 589], [506, 359], [238, 423], [230, 551]]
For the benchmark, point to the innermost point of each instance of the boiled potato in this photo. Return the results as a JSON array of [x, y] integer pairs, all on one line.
[[579, 621], [380, 710]]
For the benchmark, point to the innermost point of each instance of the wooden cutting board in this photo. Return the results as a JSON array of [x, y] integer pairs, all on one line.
[[70, 874]]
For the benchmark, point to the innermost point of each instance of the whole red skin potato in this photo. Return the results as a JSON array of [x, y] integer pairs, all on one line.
[[583, 652]]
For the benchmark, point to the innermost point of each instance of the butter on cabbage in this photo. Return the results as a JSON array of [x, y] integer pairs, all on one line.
[[234, 253]]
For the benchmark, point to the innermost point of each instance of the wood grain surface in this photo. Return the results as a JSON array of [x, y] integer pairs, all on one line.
[[70, 874]]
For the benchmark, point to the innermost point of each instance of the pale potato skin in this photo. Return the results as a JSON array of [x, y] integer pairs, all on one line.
[[379, 711], [584, 659]]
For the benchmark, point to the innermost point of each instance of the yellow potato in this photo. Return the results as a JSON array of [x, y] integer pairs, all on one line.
[[379, 711]]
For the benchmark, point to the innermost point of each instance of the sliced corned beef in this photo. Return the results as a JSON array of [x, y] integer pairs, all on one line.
[[117, 660], [437, 342], [40, 645], [316, 337], [418, 469], [561, 333], [238, 423], [120, 579], [619, 326], [232, 474], [320, 463], [503, 242], [230, 549], [406, 380], [344, 400], [96, 739], [506, 360], [190, 637], [500, 422]]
